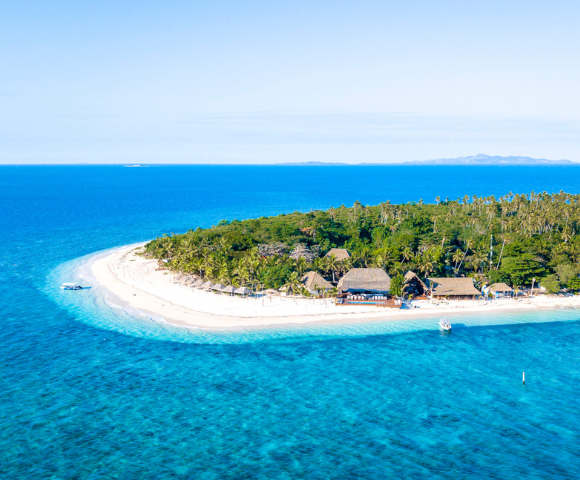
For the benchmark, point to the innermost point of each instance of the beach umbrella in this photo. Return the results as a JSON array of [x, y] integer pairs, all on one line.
[[197, 283], [217, 287], [207, 285], [242, 291], [229, 289]]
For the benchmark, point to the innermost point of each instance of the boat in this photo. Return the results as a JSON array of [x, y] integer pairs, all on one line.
[[445, 325], [71, 286]]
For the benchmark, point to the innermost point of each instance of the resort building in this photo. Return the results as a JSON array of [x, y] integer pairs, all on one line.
[[365, 280], [460, 288], [501, 290], [366, 286], [414, 286], [315, 283], [340, 253]]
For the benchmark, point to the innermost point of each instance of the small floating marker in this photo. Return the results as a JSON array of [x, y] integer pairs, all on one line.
[[524, 378]]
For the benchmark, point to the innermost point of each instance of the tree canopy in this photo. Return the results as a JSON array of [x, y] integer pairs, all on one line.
[[514, 238]]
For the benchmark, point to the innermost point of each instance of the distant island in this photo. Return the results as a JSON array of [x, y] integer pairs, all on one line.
[[482, 159], [479, 159]]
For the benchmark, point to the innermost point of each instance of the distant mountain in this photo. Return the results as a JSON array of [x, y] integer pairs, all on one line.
[[489, 160], [480, 159]]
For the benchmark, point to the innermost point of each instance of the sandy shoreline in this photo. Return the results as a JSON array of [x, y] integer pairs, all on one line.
[[134, 280]]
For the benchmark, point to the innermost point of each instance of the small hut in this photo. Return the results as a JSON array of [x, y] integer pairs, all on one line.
[[315, 283], [340, 253], [461, 288], [242, 291], [501, 290], [197, 283], [217, 287], [229, 289], [365, 280], [415, 286], [207, 285]]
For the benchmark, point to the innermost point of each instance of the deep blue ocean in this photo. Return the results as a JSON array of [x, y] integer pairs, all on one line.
[[88, 392]]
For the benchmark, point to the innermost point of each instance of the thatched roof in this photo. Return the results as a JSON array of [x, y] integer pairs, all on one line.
[[207, 284], [365, 280], [410, 276], [340, 253], [453, 286], [197, 283], [242, 291], [229, 289], [500, 287], [314, 281], [218, 287]]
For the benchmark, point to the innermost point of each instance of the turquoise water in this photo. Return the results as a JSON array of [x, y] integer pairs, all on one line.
[[89, 391]]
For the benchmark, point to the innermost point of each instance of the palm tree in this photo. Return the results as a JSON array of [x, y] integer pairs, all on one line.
[[407, 254], [332, 265], [567, 234], [293, 284], [425, 265], [363, 257], [456, 258], [379, 262], [241, 272]]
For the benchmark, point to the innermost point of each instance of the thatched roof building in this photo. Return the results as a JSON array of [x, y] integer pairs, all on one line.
[[369, 280], [414, 285], [460, 288], [242, 291], [340, 253], [501, 288], [313, 281]]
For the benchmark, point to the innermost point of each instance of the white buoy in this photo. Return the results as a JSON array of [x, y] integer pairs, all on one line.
[[524, 378]]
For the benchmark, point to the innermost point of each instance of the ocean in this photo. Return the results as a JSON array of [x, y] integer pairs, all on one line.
[[90, 391]]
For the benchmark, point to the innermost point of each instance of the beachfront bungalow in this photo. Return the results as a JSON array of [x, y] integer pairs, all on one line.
[[366, 286], [365, 281], [315, 283], [415, 286], [501, 290], [460, 288], [339, 253]]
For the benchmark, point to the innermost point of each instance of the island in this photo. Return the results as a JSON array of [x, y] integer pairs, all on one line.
[[358, 263]]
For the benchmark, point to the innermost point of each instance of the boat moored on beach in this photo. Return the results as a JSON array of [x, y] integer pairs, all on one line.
[[70, 286]]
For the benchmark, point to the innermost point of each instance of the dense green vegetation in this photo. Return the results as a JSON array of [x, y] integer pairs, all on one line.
[[512, 239]]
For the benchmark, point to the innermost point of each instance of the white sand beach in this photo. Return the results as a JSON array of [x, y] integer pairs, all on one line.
[[135, 281]]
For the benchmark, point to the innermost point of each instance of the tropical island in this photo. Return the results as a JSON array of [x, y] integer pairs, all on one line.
[[462, 252]]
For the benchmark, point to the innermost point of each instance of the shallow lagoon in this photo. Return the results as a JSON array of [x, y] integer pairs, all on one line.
[[89, 393]]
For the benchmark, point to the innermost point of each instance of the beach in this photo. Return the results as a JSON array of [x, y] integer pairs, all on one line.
[[134, 281]]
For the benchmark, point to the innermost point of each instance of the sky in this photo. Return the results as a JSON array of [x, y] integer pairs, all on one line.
[[268, 82]]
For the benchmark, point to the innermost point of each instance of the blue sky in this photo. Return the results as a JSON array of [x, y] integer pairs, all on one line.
[[262, 82]]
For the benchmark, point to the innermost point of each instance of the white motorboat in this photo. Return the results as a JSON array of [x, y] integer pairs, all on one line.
[[445, 325], [71, 286]]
